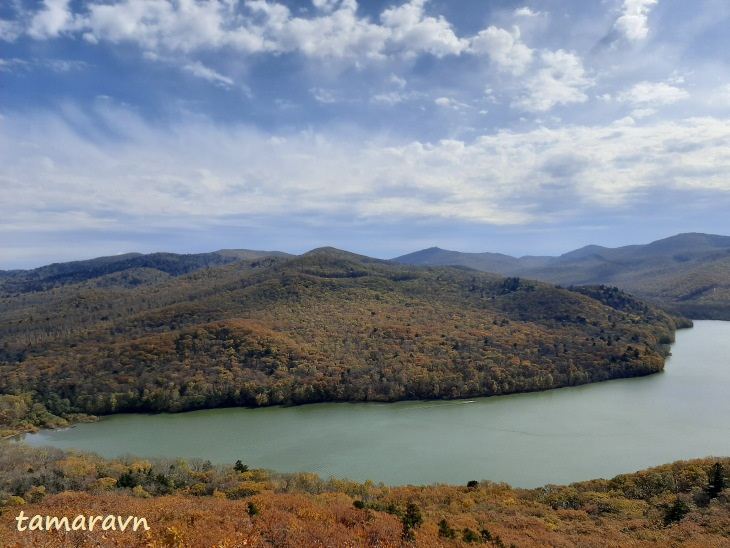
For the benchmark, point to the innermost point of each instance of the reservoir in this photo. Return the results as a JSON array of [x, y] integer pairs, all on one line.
[[527, 440]]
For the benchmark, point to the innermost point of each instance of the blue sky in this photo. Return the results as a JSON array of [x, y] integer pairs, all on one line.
[[531, 127]]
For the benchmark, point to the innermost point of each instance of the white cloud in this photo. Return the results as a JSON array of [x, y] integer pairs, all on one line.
[[504, 48], [174, 31], [448, 102], [409, 28], [179, 26], [395, 97], [199, 70], [55, 65], [337, 34], [390, 98], [209, 173], [562, 80], [324, 96], [633, 22], [526, 12], [255, 26], [9, 65], [10, 30], [397, 81], [325, 5], [52, 20], [653, 94]]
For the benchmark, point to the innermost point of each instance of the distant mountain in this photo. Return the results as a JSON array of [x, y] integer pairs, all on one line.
[[325, 254], [686, 272], [488, 262], [328, 325], [249, 254], [136, 268]]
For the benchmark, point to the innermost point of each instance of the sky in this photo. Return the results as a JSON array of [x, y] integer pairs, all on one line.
[[520, 127]]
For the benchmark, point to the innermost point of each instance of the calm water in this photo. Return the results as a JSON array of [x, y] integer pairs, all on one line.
[[527, 440]]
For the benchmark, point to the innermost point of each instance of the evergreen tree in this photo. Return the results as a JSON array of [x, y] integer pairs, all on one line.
[[675, 511], [716, 480], [411, 519], [445, 529]]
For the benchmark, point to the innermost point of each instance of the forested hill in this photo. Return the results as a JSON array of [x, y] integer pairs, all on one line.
[[687, 272], [131, 269], [325, 326]]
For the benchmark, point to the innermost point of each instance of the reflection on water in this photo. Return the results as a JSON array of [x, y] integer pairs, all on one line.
[[527, 440]]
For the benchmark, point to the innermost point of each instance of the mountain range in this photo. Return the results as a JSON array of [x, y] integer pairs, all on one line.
[[689, 273]]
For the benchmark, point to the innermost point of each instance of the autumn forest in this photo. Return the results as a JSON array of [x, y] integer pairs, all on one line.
[[325, 326]]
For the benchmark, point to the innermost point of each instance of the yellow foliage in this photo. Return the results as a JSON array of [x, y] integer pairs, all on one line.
[[139, 492], [14, 501], [76, 467], [104, 484], [198, 490], [140, 466]]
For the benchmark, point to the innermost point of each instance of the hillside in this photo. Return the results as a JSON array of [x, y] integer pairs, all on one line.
[[132, 269], [680, 504], [689, 273], [325, 326]]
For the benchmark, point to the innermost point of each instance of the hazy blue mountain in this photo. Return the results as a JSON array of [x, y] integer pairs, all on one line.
[[689, 272]]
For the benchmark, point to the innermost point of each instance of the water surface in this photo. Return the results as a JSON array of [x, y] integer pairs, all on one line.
[[527, 440]]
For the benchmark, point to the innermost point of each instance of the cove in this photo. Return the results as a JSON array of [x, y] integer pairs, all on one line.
[[527, 440]]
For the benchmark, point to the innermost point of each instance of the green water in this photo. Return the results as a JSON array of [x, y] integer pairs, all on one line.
[[527, 440]]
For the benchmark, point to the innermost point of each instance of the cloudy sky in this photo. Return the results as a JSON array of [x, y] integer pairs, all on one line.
[[522, 127]]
